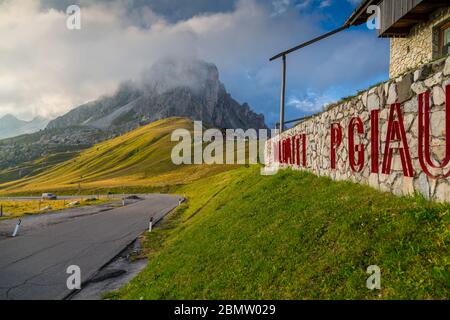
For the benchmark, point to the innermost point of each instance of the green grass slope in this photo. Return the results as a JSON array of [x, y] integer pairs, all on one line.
[[294, 236], [137, 161], [33, 168]]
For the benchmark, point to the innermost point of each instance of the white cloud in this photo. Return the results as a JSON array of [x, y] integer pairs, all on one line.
[[50, 69], [325, 3], [303, 4], [280, 6], [46, 69], [311, 102], [354, 2]]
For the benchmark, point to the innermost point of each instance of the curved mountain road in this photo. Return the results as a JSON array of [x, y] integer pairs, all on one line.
[[33, 265]]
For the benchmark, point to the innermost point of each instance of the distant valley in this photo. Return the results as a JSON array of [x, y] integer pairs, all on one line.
[[170, 88], [139, 160]]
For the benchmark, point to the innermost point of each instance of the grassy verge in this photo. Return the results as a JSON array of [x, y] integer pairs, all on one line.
[[294, 236], [16, 209], [140, 160]]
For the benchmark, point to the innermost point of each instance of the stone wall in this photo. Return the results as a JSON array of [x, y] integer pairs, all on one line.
[[404, 92], [419, 47]]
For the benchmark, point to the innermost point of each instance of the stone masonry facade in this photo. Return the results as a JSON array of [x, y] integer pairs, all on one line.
[[421, 46], [404, 91]]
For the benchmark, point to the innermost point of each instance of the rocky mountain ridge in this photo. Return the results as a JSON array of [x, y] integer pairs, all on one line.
[[171, 88]]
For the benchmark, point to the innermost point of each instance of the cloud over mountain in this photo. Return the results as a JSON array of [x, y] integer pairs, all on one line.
[[47, 69]]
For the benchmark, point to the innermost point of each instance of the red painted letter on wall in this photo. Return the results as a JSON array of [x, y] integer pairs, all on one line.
[[424, 135], [304, 150], [355, 124], [336, 141], [287, 151], [276, 152], [300, 150], [396, 133], [374, 139], [291, 150], [297, 150]]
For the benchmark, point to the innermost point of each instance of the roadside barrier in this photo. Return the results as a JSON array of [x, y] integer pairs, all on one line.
[[152, 221], [150, 225], [16, 229]]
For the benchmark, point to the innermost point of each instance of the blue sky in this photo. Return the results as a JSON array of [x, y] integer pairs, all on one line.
[[330, 83], [47, 70]]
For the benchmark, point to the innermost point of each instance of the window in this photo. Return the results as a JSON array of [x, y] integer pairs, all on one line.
[[444, 39]]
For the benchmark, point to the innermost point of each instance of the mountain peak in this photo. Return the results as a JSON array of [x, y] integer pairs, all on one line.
[[169, 73], [11, 126], [9, 117], [187, 88]]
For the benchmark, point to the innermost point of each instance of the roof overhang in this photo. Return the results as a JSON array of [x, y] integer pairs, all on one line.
[[401, 26], [360, 15], [397, 18]]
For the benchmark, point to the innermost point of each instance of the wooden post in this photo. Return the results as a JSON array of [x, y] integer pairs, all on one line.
[[283, 93]]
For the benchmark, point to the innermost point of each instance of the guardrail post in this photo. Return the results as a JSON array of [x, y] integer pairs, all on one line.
[[150, 225], [16, 229]]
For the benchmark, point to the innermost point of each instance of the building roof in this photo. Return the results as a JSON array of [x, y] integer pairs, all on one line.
[[360, 15], [397, 16]]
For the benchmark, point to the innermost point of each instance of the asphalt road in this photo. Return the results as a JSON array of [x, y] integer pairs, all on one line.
[[33, 266], [111, 196]]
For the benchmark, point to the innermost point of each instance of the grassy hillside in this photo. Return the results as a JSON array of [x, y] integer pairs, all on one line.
[[295, 236], [137, 161], [245, 236], [16, 209], [32, 168]]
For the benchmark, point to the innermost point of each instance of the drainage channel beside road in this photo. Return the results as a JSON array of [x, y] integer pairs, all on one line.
[[120, 271], [34, 265]]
